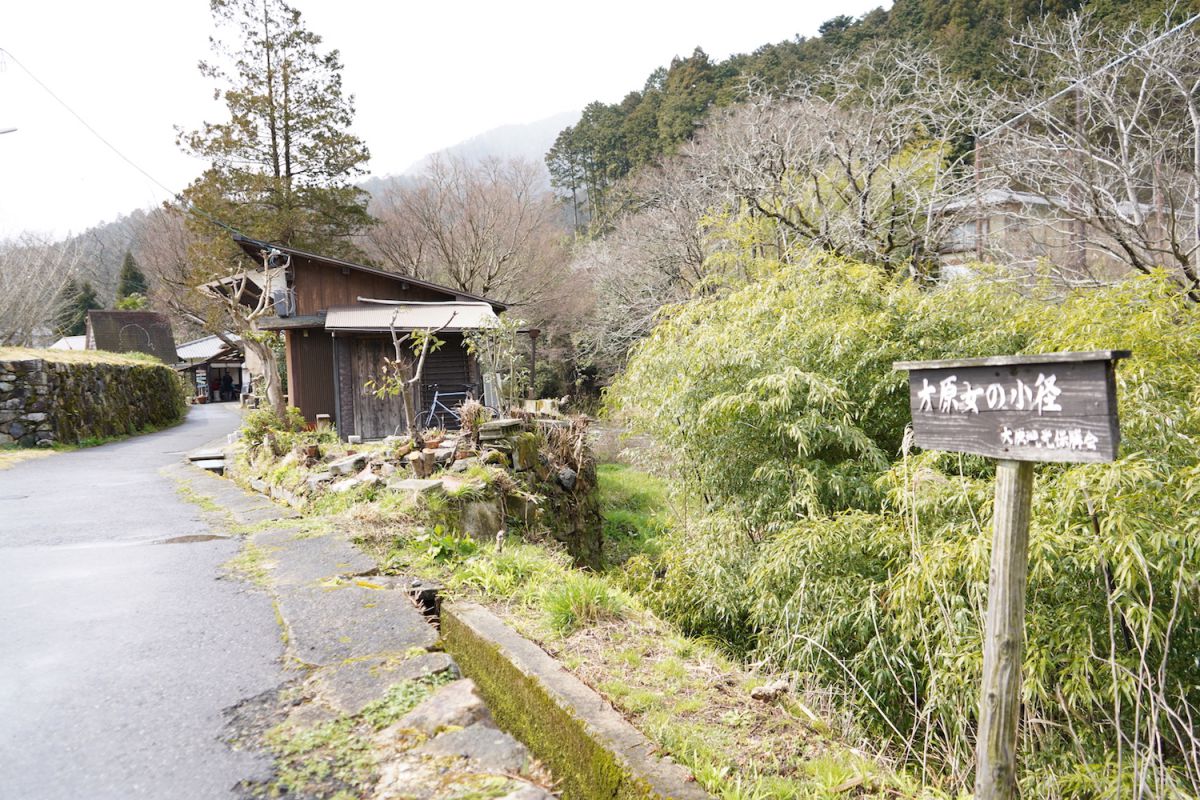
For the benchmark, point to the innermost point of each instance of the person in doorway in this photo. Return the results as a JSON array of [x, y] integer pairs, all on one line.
[[226, 387]]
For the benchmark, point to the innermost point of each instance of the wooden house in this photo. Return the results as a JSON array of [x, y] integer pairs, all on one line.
[[206, 362], [131, 332], [335, 317]]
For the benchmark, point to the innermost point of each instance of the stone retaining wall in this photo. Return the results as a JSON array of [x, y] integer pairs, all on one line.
[[45, 402]]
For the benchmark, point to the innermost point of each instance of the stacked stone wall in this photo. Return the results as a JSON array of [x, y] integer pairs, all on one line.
[[45, 402]]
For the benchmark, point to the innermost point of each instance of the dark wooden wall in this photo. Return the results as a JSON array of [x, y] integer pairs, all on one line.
[[359, 358], [310, 372], [447, 368], [320, 287]]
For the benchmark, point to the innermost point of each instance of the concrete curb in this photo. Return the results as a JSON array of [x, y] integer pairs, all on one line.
[[590, 747]]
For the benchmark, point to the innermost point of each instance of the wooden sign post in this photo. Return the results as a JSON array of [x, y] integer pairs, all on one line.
[[1017, 409]]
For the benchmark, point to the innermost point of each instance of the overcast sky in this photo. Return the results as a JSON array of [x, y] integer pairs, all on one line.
[[426, 75]]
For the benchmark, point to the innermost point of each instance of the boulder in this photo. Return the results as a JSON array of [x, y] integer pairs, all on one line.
[[349, 464], [455, 705], [566, 478], [417, 486], [464, 464]]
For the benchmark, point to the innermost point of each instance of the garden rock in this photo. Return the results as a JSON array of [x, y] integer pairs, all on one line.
[[770, 691], [354, 483], [529, 792], [566, 478], [348, 465], [418, 486], [455, 705], [499, 429], [317, 482], [464, 464], [482, 519], [485, 746]]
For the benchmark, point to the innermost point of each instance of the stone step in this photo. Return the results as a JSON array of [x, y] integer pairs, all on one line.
[[216, 465]]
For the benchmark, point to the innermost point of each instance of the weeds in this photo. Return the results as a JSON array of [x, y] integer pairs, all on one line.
[[580, 599], [338, 755]]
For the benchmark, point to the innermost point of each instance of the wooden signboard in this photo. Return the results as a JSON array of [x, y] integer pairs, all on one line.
[[1017, 409], [1055, 407]]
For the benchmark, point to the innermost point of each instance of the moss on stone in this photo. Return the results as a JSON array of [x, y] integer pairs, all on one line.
[[585, 768], [76, 402]]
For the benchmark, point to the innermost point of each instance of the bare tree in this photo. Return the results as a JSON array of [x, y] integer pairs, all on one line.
[[491, 228], [865, 162], [33, 274], [655, 255], [1113, 156], [217, 291]]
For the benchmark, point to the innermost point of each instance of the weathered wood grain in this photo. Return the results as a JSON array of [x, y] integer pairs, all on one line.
[[1079, 424], [997, 361], [1004, 637]]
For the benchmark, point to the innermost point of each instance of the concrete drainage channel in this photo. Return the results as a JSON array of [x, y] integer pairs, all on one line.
[[351, 634]]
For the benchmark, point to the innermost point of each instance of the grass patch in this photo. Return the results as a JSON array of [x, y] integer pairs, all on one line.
[[635, 511], [581, 599], [338, 755], [250, 563], [203, 501], [11, 456], [76, 356]]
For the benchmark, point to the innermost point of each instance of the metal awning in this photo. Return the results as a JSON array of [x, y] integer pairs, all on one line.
[[379, 315]]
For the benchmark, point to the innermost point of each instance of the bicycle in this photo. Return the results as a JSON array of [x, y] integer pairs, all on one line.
[[440, 416]]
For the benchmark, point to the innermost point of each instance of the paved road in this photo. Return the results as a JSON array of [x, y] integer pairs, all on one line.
[[118, 653]]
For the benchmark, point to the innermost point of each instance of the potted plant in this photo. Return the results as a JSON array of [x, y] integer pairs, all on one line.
[[434, 436]]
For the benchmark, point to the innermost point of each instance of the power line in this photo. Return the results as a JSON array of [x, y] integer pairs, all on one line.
[[176, 195], [1116, 61]]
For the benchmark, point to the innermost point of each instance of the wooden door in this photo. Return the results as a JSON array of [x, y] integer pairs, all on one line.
[[374, 417]]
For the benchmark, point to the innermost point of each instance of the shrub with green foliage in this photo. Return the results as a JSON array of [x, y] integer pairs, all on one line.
[[828, 548], [264, 420]]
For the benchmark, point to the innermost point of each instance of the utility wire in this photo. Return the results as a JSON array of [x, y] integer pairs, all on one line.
[[176, 195], [1116, 61]]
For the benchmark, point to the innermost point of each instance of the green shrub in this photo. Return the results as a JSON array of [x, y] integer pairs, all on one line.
[[264, 420], [827, 551]]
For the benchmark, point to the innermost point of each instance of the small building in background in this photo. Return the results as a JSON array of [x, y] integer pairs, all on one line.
[[132, 332], [207, 363]]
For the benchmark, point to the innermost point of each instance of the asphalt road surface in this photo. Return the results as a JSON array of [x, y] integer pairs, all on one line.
[[118, 653]]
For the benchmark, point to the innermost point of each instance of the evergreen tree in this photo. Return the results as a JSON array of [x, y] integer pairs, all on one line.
[[78, 299], [131, 280], [282, 164]]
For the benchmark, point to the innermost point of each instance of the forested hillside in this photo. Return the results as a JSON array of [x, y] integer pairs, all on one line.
[[613, 140]]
